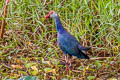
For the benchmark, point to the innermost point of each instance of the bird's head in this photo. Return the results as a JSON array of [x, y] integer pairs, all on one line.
[[51, 14]]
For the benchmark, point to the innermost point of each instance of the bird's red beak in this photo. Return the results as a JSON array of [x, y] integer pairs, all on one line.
[[7, 1], [48, 16]]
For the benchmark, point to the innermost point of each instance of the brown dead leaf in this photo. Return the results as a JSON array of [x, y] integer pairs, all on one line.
[[34, 68], [28, 43], [49, 63], [17, 66], [18, 61], [49, 70], [13, 74]]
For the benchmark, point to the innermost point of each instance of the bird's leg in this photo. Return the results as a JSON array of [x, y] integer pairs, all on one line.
[[65, 58], [67, 69], [69, 62], [66, 61], [67, 65]]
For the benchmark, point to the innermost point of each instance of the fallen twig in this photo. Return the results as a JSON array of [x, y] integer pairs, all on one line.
[[77, 71], [100, 58], [3, 21]]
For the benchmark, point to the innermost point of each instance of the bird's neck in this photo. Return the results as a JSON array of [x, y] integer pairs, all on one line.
[[59, 27]]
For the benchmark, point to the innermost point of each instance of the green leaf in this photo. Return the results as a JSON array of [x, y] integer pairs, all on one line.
[[35, 72], [119, 40], [98, 64], [48, 70], [91, 77], [64, 79], [28, 78], [29, 65], [34, 78], [25, 78]]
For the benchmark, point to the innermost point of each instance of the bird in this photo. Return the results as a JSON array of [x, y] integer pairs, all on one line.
[[66, 41]]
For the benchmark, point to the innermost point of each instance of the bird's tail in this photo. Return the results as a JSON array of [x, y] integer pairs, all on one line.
[[83, 48], [82, 55]]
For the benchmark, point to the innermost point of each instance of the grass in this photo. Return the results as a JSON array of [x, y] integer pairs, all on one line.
[[30, 45]]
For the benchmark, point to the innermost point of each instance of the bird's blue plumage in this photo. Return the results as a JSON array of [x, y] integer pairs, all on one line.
[[68, 43]]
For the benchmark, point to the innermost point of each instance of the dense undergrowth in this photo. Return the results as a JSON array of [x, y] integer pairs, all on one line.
[[30, 45]]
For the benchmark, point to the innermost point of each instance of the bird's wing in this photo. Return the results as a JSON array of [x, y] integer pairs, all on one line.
[[71, 46], [75, 41], [68, 43]]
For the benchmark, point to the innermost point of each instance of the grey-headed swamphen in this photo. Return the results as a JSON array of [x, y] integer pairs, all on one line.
[[67, 42]]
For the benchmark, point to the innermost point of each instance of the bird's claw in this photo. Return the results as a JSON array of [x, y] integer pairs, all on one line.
[[66, 62]]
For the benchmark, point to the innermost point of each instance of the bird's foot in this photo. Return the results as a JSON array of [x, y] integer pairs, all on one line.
[[62, 62]]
